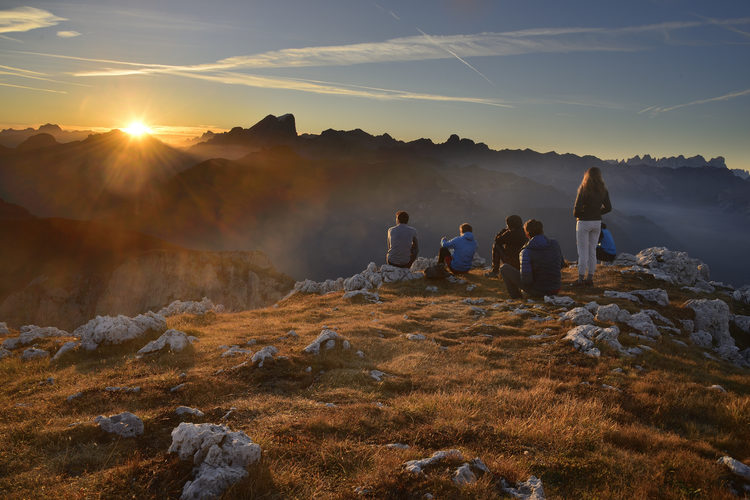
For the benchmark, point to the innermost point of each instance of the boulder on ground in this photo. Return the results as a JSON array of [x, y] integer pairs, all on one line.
[[679, 266], [581, 338], [264, 354], [124, 424], [418, 466], [558, 300], [190, 307], [531, 489], [656, 295], [220, 456], [30, 333], [65, 348], [175, 340], [118, 329], [327, 338], [737, 467], [34, 353], [371, 277], [579, 316]]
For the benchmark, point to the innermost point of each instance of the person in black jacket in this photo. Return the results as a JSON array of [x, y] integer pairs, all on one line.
[[592, 201], [508, 244], [541, 262]]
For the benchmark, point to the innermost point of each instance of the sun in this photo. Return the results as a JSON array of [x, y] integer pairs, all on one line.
[[137, 129]]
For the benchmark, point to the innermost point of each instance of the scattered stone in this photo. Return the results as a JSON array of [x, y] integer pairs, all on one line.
[[118, 329], [712, 317], [124, 424], [464, 475], [431, 289], [377, 375], [621, 295], [226, 415], [701, 339], [362, 490], [290, 334], [190, 307], [557, 300], [675, 267], [34, 353], [742, 322], [617, 370], [308, 369], [579, 316], [234, 351], [643, 323], [470, 288], [679, 342], [175, 340], [368, 296], [473, 302], [530, 489], [267, 353], [359, 354], [135, 389], [4, 353], [418, 466], [656, 295], [186, 410], [655, 315], [608, 313], [74, 396], [455, 280], [66, 347], [327, 337], [178, 387], [31, 333], [736, 467], [611, 388], [645, 347], [581, 338], [415, 336], [610, 336], [397, 446], [717, 387], [220, 457], [539, 336], [4, 329]]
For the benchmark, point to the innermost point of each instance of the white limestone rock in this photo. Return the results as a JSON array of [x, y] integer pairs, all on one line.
[[656, 295], [557, 300], [657, 316], [4, 353], [742, 294], [327, 337], [370, 278], [464, 475], [377, 375], [531, 489], [607, 313], [368, 296], [31, 333], [135, 389], [422, 263], [415, 336], [736, 467], [592, 307], [701, 338], [4, 329], [742, 322], [220, 456], [624, 259], [581, 338], [712, 317], [613, 294], [579, 316], [610, 336], [397, 446], [118, 329], [34, 353], [679, 266], [175, 340], [323, 287], [688, 326], [267, 353], [418, 466], [124, 424], [190, 307], [65, 348], [235, 351], [642, 322], [186, 410]]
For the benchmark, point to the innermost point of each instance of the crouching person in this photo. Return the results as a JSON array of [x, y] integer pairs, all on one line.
[[464, 246], [541, 262]]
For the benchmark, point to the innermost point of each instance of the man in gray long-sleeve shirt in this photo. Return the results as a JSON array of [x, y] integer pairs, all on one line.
[[402, 242]]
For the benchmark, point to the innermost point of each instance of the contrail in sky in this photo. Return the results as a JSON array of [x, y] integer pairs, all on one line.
[[428, 37]]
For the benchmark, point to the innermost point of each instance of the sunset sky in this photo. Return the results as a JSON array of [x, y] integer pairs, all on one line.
[[613, 79]]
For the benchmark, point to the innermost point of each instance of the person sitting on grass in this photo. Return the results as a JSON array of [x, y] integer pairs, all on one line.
[[541, 262], [605, 250], [507, 246], [464, 246], [403, 247]]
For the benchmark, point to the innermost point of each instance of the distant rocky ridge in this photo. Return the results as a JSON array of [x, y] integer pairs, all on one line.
[[13, 137], [697, 161]]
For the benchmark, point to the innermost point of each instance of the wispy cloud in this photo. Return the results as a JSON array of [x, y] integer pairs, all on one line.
[[26, 19], [32, 88], [68, 34], [654, 110]]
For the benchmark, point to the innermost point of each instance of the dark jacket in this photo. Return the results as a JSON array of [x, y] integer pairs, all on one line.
[[541, 261], [591, 206], [507, 246]]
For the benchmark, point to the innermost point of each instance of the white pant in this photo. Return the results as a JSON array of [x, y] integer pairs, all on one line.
[[587, 237]]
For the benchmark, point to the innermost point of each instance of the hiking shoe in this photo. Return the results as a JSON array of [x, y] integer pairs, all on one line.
[[491, 274], [588, 282], [578, 282]]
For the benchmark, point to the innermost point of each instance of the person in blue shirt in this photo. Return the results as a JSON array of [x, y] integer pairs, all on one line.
[[464, 246], [605, 250]]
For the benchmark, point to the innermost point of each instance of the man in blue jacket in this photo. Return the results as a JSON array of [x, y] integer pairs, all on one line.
[[541, 262], [464, 246]]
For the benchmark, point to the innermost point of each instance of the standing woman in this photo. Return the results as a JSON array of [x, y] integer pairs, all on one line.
[[592, 201]]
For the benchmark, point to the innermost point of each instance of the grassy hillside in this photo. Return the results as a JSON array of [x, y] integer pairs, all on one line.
[[477, 383]]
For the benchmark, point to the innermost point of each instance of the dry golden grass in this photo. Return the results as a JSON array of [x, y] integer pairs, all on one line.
[[478, 384]]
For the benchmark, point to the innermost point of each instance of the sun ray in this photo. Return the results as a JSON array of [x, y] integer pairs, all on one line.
[[137, 129]]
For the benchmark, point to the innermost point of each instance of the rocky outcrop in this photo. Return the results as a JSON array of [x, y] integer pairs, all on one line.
[[124, 424], [712, 329], [149, 282], [667, 265]]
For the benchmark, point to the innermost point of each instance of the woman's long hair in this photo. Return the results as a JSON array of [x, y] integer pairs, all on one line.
[[592, 183]]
